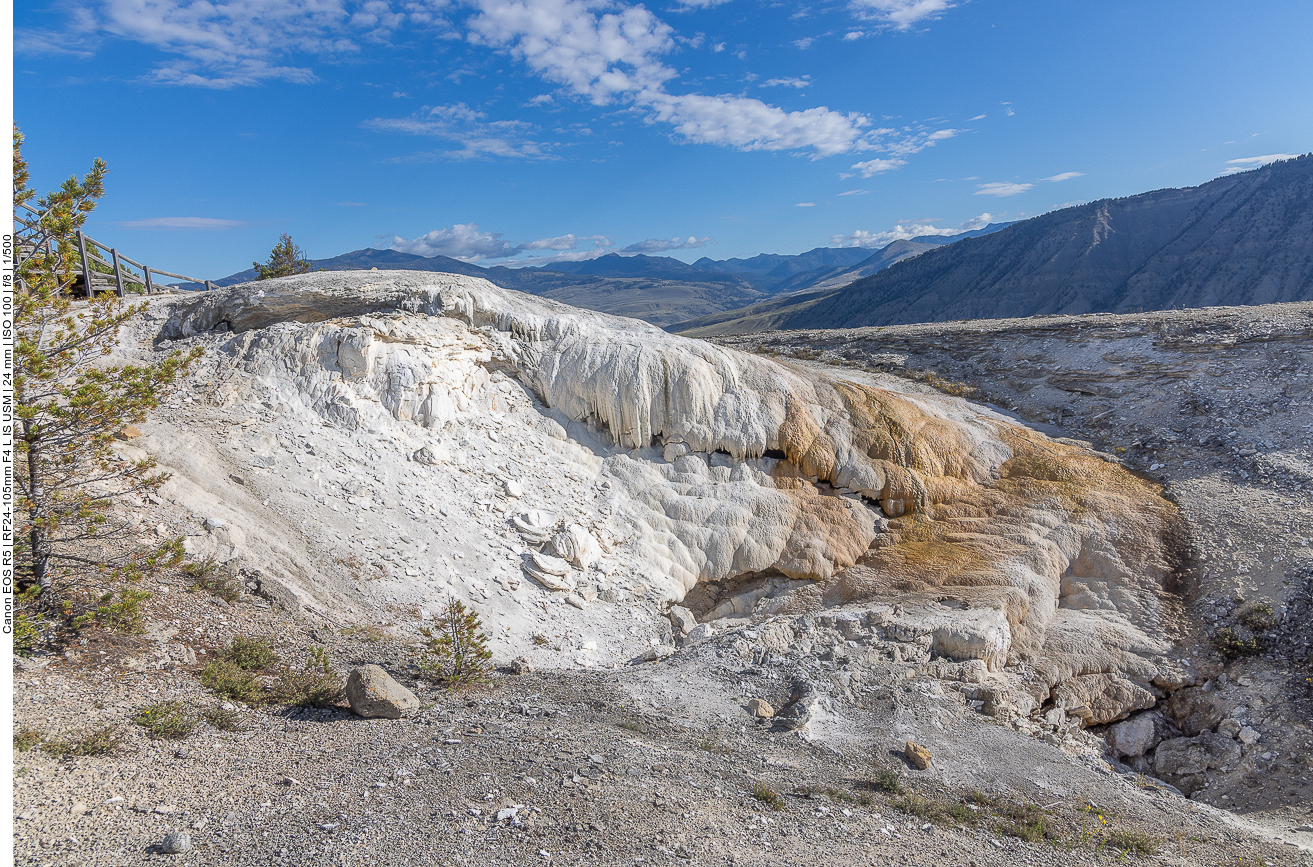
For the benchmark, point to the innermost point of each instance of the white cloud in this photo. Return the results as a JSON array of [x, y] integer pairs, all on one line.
[[805, 205], [462, 241], [900, 14], [477, 136], [799, 83], [804, 43], [978, 117], [874, 167], [615, 56], [240, 42], [600, 56], [750, 124], [565, 242], [903, 231], [180, 223], [660, 245], [1002, 189], [699, 4], [854, 192], [1246, 163], [1064, 176]]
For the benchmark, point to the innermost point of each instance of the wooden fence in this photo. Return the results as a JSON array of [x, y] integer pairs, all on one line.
[[101, 265]]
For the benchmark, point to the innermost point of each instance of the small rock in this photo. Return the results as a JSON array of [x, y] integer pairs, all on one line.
[[181, 753], [1248, 736], [373, 693], [164, 809], [576, 601], [918, 755], [682, 619], [213, 523], [1229, 728], [129, 432], [290, 781], [176, 843], [508, 814], [241, 480], [77, 810], [514, 489], [199, 824], [701, 632], [760, 708], [521, 665], [661, 651]]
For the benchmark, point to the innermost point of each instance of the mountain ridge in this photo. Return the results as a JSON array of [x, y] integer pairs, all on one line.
[[1241, 239]]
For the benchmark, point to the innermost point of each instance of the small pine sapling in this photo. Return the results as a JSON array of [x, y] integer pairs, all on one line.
[[456, 654], [284, 260]]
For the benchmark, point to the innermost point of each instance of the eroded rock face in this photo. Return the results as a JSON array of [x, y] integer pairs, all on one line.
[[950, 530]]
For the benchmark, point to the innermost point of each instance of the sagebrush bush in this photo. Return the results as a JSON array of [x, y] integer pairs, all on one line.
[[250, 654], [315, 684], [230, 680], [121, 616], [165, 720], [456, 654], [206, 576]]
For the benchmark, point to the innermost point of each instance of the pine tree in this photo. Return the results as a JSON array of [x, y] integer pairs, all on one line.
[[69, 406], [284, 260], [457, 652]]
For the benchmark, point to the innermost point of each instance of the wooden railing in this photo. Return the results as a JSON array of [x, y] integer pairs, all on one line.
[[100, 264]]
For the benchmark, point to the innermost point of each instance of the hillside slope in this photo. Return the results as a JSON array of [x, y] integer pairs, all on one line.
[[1243, 239]]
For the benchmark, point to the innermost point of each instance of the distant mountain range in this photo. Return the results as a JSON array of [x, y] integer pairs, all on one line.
[[659, 289], [1242, 239]]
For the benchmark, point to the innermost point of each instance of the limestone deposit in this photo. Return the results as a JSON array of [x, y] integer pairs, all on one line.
[[742, 485]]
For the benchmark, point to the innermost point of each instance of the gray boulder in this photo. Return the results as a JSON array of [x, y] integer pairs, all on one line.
[[373, 693], [1133, 737]]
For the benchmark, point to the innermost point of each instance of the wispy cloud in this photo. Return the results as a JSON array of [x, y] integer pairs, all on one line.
[[1002, 189], [868, 168], [204, 223], [477, 136], [1064, 176], [566, 242], [854, 192], [805, 205], [904, 231], [900, 14], [660, 245], [1246, 163], [799, 83], [979, 117]]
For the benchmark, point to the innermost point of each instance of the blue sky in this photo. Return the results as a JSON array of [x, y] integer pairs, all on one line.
[[514, 132]]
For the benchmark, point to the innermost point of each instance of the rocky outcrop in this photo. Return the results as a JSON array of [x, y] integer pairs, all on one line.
[[937, 524]]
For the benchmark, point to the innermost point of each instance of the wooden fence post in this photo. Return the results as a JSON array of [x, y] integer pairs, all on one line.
[[150, 287], [86, 269], [118, 270]]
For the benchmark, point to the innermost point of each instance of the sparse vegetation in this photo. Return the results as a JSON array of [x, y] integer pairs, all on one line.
[[206, 576], [1132, 843], [1257, 616], [26, 634], [85, 742], [231, 681], [767, 796], [1027, 822], [121, 616], [26, 738], [456, 654], [1233, 644], [166, 720], [365, 632], [250, 654], [714, 745], [314, 684], [886, 780], [223, 719]]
